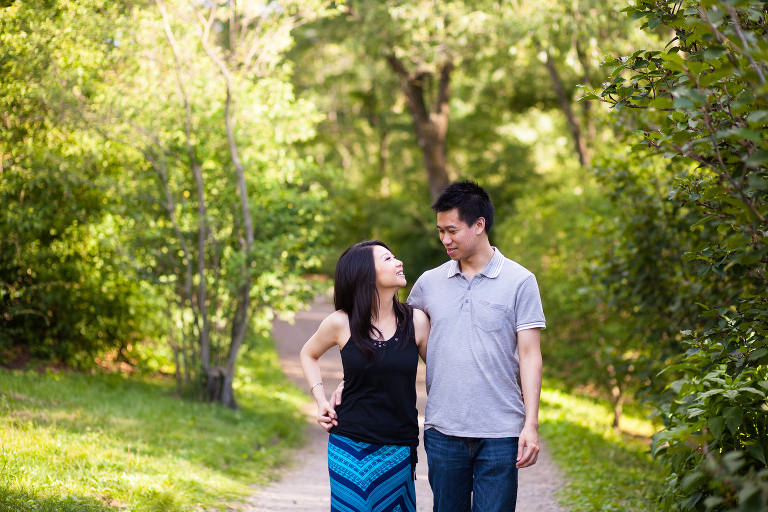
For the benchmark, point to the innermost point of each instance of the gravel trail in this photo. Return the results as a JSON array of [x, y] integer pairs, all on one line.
[[304, 486]]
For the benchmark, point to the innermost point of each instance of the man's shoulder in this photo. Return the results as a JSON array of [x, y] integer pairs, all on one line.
[[513, 271]]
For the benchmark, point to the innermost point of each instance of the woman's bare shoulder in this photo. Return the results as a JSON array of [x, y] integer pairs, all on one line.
[[338, 320], [419, 316], [337, 324]]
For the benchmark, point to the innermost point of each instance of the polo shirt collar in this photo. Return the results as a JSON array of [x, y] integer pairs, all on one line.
[[492, 270]]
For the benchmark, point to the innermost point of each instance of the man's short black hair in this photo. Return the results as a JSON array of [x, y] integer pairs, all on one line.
[[470, 199]]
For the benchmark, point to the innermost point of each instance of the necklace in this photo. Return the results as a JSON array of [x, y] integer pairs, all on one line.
[[381, 327]]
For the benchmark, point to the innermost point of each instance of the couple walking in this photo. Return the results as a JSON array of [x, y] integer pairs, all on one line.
[[476, 322]]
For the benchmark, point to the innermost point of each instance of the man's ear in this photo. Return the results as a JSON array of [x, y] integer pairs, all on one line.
[[480, 224]]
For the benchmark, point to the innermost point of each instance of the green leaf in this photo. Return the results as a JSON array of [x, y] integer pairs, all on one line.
[[758, 116], [733, 417], [755, 450], [714, 52], [682, 103], [757, 354], [653, 23], [716, 426], [692, 500], [757, 181], [758, 158]]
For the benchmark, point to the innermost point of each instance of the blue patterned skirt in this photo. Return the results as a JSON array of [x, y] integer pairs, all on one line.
[[370, 477]]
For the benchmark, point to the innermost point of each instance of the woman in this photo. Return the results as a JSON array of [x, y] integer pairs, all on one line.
[[374, 431]]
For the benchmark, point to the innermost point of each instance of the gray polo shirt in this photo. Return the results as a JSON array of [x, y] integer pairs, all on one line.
[[473, 371]]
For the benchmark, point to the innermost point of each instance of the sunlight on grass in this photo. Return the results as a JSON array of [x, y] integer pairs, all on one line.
[[80, 442], [605, 471]]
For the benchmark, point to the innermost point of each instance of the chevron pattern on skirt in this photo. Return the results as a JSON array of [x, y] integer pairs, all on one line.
[[369, 477]]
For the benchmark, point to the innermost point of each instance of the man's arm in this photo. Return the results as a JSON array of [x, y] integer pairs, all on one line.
[[529, 350]]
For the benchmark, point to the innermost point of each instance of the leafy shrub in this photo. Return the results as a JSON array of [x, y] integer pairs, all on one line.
[[716, 439], [702, 104]]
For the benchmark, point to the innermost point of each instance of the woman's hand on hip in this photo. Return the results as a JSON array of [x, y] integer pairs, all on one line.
[[326, 416]]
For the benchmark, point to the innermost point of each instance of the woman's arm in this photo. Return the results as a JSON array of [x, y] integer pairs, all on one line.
[[421, 326], [328, 334]]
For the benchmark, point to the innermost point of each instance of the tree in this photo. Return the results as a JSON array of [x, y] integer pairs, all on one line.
[[341, 65], [422, 45], [701, 104], [214, 210], [62, 295]]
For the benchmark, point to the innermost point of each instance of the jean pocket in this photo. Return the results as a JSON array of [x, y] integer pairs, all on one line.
[[489, 316]]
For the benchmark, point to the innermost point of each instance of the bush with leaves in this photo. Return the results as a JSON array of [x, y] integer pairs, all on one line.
[[717, 430], [702, 103]]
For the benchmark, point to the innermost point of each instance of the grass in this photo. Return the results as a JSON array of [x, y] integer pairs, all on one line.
[[605, 471], [75, 442]]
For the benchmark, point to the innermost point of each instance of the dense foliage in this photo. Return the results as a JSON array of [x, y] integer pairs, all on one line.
[[151, 187], [698, 112]]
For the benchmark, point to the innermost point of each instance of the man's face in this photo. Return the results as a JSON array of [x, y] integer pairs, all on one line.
[[459, 239]]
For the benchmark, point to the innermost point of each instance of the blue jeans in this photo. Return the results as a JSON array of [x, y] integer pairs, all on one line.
[[471, 474]]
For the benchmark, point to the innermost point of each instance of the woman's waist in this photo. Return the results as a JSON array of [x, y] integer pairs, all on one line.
[[405, 434]]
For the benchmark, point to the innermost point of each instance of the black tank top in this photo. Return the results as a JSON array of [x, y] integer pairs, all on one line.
[[378, 404]]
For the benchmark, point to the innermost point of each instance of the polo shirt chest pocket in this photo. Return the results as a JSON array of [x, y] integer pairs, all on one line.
[[489, 316]]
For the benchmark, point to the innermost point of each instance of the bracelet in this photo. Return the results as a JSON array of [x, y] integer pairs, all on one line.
[[313, 387]]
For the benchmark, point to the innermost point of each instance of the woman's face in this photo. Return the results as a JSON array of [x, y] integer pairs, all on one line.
[[389, 270]]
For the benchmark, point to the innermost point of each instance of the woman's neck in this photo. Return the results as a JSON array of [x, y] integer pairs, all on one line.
[[386, 307]]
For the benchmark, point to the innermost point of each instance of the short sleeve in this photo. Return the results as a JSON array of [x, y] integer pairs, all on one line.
[[416, 297], [528, 311]]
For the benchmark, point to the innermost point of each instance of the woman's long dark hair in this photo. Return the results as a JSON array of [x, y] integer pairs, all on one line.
[[355, 293]]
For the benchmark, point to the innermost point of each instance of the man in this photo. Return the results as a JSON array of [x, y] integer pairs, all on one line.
[[483, 355]]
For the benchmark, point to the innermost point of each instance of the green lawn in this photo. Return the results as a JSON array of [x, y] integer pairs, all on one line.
[[78, 442], [604, 471]]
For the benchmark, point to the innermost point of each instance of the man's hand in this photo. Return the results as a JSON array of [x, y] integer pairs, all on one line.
[[336, 396], [326, 416], [527, 447]]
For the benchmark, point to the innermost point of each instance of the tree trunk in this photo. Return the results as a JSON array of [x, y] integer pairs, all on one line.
[[565, 104], [240, 322], [618, 401], [430, 125], [239, 329], [197, 172], [586, 106]]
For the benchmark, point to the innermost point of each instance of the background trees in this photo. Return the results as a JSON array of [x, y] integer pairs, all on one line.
[[175, 124]]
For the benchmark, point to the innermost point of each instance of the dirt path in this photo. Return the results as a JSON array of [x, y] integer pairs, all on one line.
[[305, 486]]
